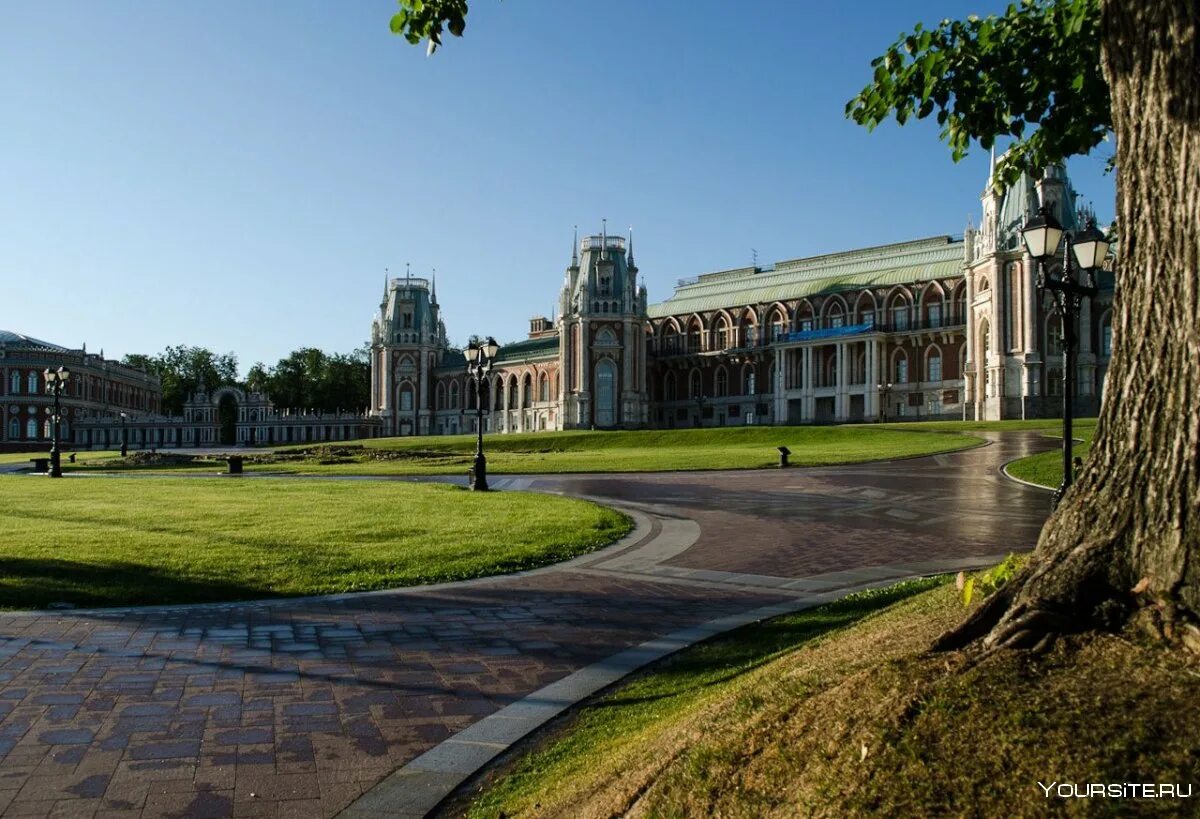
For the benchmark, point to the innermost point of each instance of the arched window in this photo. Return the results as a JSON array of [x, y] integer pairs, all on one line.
[[669, 387], [14, 385], [1054, 381], [778, 325], [722, 334], [1106, 335], [748, 381], [693, 337], [499, 392], [32, 382], [14, 429], [900, 313], [454, 395], [1054, 336], [31, 429], [544, 388], [901, 374], [835, 316], [933, 365], [527, 389], [696, 388], [722, 383], [406, 397], [513, 394], [440, 399]]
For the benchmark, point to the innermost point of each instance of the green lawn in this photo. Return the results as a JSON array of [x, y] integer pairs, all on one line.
[[115, 541], [1045, 468], [585, 451]]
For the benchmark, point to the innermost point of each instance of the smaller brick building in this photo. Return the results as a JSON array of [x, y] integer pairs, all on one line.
[[98, 388]]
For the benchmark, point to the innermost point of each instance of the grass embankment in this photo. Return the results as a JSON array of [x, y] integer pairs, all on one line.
[[586, 451], [129, 541], [1045, 468], [839, 711]]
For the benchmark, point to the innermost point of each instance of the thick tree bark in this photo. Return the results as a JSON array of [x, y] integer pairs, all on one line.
[[1133, 518]]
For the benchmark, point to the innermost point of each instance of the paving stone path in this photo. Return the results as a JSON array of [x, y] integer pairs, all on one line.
[[301, 707]]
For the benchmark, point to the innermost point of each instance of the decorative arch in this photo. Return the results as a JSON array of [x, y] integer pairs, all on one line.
[[834, 311], [933, 363], [454, 394], [669, 336], [748, 327], [606, 392], [669, 391], [777, 320], [898, 307], [543, 387], [605, 337], [806, 315], [527, 389], [864, 307], [722, 331], [958, 302], [899, 366], [695, 334], [720, 382], [440, 396], [695, 383]]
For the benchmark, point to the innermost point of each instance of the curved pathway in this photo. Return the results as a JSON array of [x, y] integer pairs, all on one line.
[[300, 707]]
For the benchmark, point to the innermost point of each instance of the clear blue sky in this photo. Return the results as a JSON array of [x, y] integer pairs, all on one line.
[[238, 175]]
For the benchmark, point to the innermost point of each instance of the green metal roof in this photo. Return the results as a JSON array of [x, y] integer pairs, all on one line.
[[529, 348], [883, 266]]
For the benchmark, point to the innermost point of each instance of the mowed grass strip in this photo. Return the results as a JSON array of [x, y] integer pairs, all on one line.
[[842, 711], [121, 541], [587, 451], [1045, 468]]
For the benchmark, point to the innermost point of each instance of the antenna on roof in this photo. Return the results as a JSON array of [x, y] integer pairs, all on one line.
[[754, 253]]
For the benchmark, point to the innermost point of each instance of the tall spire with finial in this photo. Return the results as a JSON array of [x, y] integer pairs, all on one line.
[[433, 289], [383, 301], [629, 262], [575, 248]]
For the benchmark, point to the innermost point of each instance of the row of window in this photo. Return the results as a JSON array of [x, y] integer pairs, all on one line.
[[31, 430]]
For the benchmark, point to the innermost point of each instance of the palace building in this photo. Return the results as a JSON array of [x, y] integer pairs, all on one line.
[[935, 328]]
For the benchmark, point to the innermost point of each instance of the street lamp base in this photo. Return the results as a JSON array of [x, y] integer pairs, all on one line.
[[477, 475]]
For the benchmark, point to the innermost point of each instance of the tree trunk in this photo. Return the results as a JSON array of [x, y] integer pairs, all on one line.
[[1133, 518]]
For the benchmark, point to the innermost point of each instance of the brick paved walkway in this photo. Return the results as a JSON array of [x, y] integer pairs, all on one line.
[[296, 708]]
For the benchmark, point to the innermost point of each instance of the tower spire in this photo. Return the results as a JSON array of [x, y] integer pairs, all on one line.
[[575, 248], [385, 286], [433, 289], [630, 260]]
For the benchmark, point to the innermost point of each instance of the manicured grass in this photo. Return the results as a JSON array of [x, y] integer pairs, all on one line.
[[632, 451], [116, 541], [1046, 468], [840, 711], [86, 456]]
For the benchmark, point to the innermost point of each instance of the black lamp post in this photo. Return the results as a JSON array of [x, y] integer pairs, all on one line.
[[124, 439], [481, 358], [56, 380], [1086, 249], [885, 391]]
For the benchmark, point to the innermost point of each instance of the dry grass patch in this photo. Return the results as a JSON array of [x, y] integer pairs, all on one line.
[[863, 722]]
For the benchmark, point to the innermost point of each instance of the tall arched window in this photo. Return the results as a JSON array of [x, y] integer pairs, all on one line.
[[669, 387], [777, 326], [454, 395], [440, 399], [1106, 335], [606, 393], [722, 334], [933, 365], [513, 393], [696, 385], [14, 429], [748, 381], [901, 369], [527, 389], [32, 382], [14, 385], [31, 429], [722, 383], [406, 397], [544, 388], [693, 337]]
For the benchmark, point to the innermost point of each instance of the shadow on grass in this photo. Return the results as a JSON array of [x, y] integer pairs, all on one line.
[[30, 583]]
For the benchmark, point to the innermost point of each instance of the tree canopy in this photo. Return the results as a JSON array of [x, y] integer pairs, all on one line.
[[1032, 74], [182, 369]]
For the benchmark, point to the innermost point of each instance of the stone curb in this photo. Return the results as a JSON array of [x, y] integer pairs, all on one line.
[[420, 786]]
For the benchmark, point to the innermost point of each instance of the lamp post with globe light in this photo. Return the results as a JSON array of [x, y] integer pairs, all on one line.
[[1086, 249], [481, 358], [56, 382]]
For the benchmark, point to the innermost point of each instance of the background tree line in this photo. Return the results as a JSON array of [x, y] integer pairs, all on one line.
[[307, 378]]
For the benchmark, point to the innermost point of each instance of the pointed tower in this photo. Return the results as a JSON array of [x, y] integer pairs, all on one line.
[[601, 330]]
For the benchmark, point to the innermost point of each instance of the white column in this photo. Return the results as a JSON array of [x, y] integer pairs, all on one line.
[[842, 374], [807, 401], [780, 394]]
